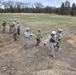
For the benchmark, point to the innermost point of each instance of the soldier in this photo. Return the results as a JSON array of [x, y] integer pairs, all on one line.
[[38, 38], [10, 26], [14, 25], [4, 26], [15, 30], [52, 41], [27, 36], [15, 33], [18, 28], [15, 21], [59, 37]]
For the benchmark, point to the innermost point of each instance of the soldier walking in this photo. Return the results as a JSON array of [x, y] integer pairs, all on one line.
[[27, 36], [52, 41], [10, 26], [59, 38], [15, 30], [4, 26], [18, 28], [38, 37]]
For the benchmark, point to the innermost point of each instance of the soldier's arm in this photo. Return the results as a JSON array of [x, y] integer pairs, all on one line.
[[47, 40]]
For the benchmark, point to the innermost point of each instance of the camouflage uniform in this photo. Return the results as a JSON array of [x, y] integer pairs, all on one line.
[[4, 26], [27, 36], [18, 28], [15, 33], [14, 25], [10, 26], [59, 37], [38, 38], [52, 41], [15, 30]]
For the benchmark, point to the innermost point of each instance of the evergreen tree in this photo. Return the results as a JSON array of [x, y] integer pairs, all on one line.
[[73, 9], [62, 9], [67, 7]]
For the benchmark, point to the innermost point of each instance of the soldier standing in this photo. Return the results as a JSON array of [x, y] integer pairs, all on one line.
[[18, 28], [27, 36], [14, 25], [52, 41], [4, 26], [10, 26], [38, 38], [15, 30], [59, 38]]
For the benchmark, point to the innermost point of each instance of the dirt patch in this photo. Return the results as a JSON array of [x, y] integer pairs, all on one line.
[[72, 40]]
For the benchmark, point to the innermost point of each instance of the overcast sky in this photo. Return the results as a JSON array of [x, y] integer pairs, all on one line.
[[55, 3]]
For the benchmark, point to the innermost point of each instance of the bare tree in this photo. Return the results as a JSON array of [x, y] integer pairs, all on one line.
[[1, 2], [38, 5]]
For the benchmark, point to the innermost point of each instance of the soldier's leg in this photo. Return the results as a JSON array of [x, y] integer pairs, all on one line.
[[18, 31], [9, 30], [52, 50], [3, 29], [27, 43], [58, 46], [15, 36], [38, 41]]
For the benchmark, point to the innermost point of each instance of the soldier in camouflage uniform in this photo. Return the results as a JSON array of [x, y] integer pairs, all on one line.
[[18, 28], [4, 26], [15, 29], [59, 38], [27, 36], [52, 41], [38, 38], [10, 26]]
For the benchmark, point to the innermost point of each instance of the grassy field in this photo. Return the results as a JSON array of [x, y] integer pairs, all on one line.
[[16, 60]]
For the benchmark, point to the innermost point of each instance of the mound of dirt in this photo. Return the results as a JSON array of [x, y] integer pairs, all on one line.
[[72, 40]]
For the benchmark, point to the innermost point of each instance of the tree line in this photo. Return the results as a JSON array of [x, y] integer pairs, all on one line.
[[20, 7]]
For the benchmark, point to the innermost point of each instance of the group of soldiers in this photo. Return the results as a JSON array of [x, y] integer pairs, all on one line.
[[53, 39], [14, 28]]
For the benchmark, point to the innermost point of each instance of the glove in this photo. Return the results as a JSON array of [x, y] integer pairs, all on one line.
[[31, 35], [44, 44], [41, 36]]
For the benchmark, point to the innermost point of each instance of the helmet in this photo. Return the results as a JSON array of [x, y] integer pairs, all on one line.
[[53, 32], [15, 19], [39, 30], [3, 19], [10, 20], [27, 28], [59, 30]]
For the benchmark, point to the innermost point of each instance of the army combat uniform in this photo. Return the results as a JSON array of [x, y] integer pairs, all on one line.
[[11, 26], [18, 28], [38, 38], [59, 38], [15, 30], [4, 26], [15, 33], [52, 41], [27, 36]]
